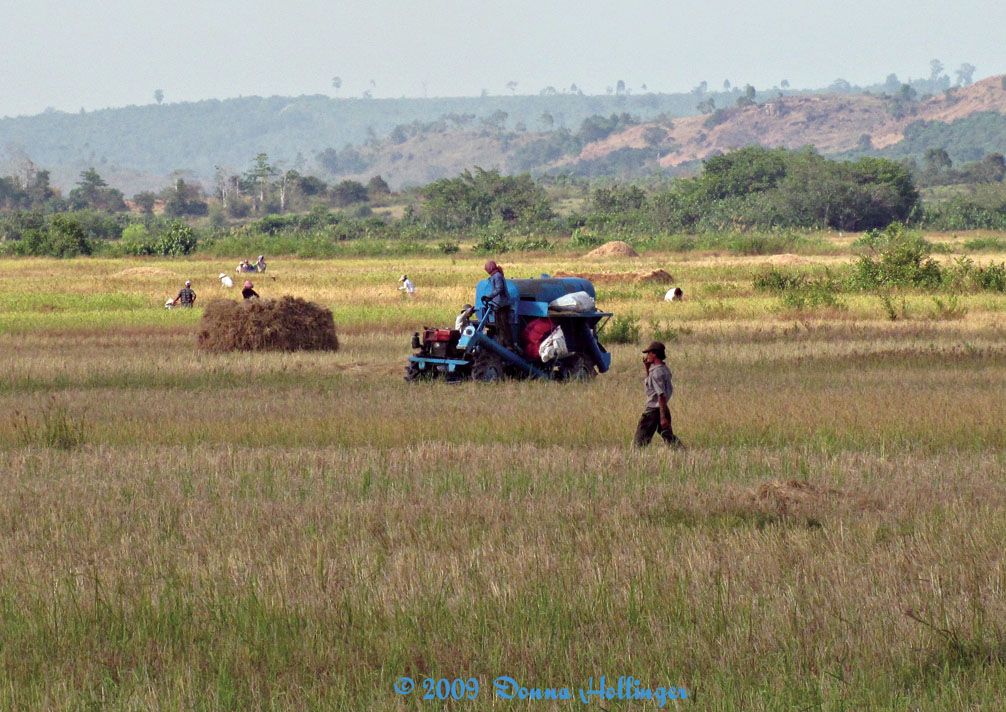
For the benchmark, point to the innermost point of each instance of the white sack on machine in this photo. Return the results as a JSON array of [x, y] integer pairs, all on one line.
[[576, 302], [554, 345]]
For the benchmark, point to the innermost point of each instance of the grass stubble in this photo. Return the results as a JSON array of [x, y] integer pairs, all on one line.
[[297, 531]]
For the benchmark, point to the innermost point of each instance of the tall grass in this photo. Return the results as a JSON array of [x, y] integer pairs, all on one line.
[[183, 531]]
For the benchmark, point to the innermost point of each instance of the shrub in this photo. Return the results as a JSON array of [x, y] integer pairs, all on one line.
[[492, 241], [621, 330], [950, 309], [776, 280], [531, 243], [179, 239], [137, 240], [900, 258], [585, 238]]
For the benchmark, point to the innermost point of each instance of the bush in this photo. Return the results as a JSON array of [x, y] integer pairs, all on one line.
[[813, 295], [492, 241], [585, 238], [137, 240], [985, 244], [530, 243], [179, 239], [776, 280], [621, 330], [63, 236], [285, 324], [900, 258]]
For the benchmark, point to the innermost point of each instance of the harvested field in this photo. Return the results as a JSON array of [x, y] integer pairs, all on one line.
[[297, 531], [653, 276], [144, 272]]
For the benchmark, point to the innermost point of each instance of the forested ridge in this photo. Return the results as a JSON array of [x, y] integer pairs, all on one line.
[[623, 135]]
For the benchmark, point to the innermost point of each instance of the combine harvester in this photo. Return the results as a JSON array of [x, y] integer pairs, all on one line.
[[555, 326]]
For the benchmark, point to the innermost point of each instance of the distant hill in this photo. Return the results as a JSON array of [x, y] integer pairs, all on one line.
[[415, 141], [138, 147], [834, 124]]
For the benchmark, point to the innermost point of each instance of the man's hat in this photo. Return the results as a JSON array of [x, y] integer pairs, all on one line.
[[657, 348], [402, 278], [188, 283]]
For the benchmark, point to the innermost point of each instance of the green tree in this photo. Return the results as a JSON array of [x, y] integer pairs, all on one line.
[[965, 74], [348, 192], [937, 160], [654, 136], [145, 201], [158, 96], [485, 196], [184, 199], [257, 179], [377, 187], [707, 105], [93, 192]]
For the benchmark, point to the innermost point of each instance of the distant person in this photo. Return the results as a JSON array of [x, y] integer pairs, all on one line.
[[249, 292], [226, 281], [407, 286], [186, 297], [656, 417], [260, 265], [464, 317], [674, 294], [499, 300]]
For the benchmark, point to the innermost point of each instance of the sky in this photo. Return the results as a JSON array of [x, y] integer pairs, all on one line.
[[93, 54]]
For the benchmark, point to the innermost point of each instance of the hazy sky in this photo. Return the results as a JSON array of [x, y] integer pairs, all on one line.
[[93, 54]]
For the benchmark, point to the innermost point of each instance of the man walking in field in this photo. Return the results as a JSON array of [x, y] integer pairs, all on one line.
[[656, 416], [186, 297]]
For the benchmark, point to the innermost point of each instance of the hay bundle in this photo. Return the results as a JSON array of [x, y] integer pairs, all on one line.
[[285, 324], [615, 248]]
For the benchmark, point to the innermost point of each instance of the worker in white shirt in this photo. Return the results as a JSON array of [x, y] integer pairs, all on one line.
[[407, 286]]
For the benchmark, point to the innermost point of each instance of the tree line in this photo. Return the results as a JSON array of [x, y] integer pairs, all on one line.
[[750, 190]]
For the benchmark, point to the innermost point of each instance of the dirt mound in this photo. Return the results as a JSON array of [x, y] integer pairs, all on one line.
[[653, 276], [285, 324], [616, 248], [144, 272]]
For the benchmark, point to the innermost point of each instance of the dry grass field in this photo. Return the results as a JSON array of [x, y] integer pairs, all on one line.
[[187, 531]]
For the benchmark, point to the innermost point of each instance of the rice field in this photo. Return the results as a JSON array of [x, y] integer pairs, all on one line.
[[187, 531]]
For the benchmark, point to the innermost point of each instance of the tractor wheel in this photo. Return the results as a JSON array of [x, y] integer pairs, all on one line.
[[414, 374], [488, 367], [577, 367]]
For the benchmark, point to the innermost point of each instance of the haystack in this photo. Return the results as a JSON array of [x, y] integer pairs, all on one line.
[[284, 324], [616, 248]]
